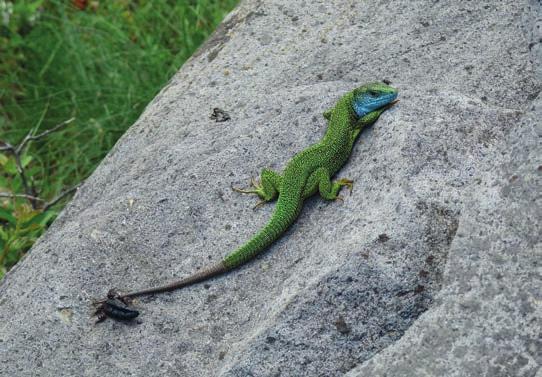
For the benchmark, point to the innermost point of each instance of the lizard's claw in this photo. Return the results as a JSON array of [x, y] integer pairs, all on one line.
[[347, 182], [256, 188], [259, 204], [243, 191]]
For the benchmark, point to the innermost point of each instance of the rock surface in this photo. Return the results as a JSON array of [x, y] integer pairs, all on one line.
[[430, 268]]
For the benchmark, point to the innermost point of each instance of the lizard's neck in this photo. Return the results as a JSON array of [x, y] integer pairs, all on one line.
[[339, 131]]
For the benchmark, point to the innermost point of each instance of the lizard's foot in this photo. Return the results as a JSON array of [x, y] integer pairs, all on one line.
[[115, 306], [267, 188], [257, 189]]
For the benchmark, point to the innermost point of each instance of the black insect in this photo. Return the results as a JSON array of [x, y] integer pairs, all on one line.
[[114, 307]]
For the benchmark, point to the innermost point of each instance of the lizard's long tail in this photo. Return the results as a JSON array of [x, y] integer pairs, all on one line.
[[205, 274], [286, 211]]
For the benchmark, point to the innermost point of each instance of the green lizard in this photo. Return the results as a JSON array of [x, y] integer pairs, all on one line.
[[307, 173]]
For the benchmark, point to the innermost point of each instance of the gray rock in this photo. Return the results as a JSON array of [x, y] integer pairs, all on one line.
[[430, 268]]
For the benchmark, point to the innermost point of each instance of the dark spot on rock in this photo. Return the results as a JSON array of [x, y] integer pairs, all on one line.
[[270, 339], [521, 361], [419, 289], [341, 325], [533, 95], [430, 259], [383, 237], [227, 226], [423, 273], [320, 76], [221, 35], [211, 298], [221, 355], [386, 81], [213, 54]]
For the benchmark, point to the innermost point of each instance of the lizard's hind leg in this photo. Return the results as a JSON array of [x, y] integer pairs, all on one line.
[[267, 190], [327, 188]]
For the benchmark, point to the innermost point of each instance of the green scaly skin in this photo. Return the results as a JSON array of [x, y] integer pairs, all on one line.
[[307, 173]]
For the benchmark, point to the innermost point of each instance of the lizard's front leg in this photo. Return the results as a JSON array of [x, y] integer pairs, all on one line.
[[267, 190]]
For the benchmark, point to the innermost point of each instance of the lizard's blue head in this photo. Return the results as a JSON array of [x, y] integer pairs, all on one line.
[[373, 98]]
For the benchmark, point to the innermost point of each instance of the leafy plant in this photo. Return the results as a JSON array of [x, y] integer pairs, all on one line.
[[98, 61]]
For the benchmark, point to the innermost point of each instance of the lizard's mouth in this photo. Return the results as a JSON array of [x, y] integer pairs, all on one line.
[[391, 104], [386, 101]]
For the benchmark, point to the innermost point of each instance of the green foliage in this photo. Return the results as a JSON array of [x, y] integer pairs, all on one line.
[[100, 62], [20, 226]]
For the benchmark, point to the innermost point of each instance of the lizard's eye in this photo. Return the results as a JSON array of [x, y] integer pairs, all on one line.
[[372, 93]]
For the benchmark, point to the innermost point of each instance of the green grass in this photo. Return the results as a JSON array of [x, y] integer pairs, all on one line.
[[102, 65]]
